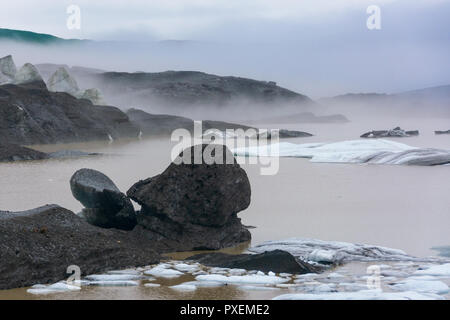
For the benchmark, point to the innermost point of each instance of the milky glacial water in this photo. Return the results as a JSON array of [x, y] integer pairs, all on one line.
[[402, 207]]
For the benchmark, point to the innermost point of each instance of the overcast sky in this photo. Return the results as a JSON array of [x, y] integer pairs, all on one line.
[[320, 47]]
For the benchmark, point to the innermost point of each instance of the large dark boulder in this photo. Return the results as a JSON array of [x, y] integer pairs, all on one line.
[[195, 206], [106, 206], [203, 194], [276, 261], [14, 152], [38, 245]]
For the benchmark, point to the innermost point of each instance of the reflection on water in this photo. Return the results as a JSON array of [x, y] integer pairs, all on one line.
[[395, 206]]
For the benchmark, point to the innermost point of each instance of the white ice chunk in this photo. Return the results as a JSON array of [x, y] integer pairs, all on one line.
[[258, 288], [115, 283], [362, 295], [152, 285], [327, 252], [184, 287], [186, 267], [250, 279], [53, 288], [113, 277], [206, 284], [442, 270], [161, 271], [427, 286]]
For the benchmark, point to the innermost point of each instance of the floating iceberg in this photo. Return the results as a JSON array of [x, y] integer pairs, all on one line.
[[114, 283], [184, 287], [247, 279], [336, 252], [442, 270], [53, 288], [162, 271], [62, 81], [355, 151], [362, 295], [113, 277], [423, 286]]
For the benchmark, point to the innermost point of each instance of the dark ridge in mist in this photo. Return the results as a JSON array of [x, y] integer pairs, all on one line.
[[434, 101]]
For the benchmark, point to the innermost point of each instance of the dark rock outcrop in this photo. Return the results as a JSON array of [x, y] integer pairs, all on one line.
[[38, 245], [304, 117], [276, 261], [164, 125], [194, 206], [174, 89], [396, 132], [442, 132], [30, 114], [14, 152], [106, 206]]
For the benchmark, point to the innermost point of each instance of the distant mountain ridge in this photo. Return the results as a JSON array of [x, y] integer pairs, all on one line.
[[434, 100], [34, 37]]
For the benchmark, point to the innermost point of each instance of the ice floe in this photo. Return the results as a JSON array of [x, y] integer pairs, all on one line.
[[361, 295], [184, 287], [354, 151], [427, 286], [335, 252], [58, 287], [113, 277], [442, 270], [162, 271], [248, 279], [206, 284], [258, 288]]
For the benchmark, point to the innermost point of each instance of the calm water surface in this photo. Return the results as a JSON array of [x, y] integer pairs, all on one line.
[[395, 206]]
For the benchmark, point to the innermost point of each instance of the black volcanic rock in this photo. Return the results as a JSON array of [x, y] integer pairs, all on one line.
[[278, 261], [164, 125], [13, 152], [396, 132], [38, 245], [30, 114], [191, 88], [158, 124], [106, 206], [195, 206]]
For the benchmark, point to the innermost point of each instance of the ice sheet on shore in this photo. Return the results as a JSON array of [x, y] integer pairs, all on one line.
[[377, 151], [336, 252], [361, 295]]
